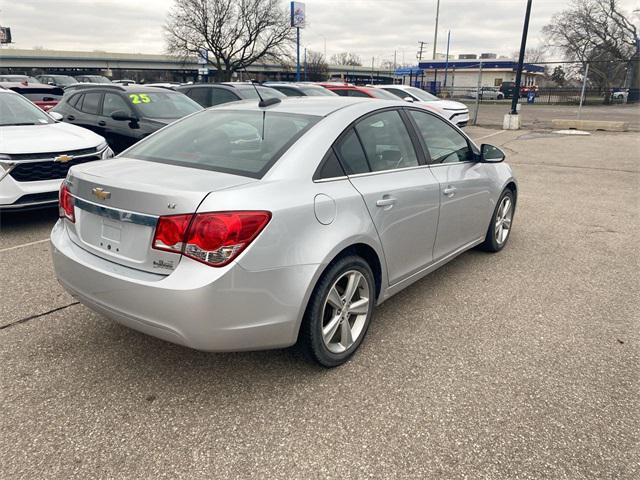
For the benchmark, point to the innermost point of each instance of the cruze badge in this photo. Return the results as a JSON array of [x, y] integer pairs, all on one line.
[[101, 194], [63, 158]]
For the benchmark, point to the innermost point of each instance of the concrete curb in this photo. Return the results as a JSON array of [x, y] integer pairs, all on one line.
[[592, 125]]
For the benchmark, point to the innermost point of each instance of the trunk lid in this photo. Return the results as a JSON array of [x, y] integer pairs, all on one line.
[[118, 202]]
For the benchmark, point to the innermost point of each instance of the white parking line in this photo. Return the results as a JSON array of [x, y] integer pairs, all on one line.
[[491, 135], [24, 245]]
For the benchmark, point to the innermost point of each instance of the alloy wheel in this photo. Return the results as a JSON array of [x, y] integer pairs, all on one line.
[[345, 311], [504, 216]]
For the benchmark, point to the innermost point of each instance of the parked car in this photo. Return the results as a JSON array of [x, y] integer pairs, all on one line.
[[244, 227], [620, 95], [83, 86], [19, 79], [363, 92], [36, 152], [124, 114], [487, 93], [299, 89], [124, 81], [455, 112], [210, 94], [168, 85], [57, 80], [508, 89], [92, 79], [44, 96]]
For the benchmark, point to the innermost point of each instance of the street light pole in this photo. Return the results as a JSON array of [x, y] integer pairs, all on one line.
[[523, 46], [435, 37]]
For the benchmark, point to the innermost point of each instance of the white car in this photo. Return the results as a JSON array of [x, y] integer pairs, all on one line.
[[456, 112], [487, 93], [36, 152]]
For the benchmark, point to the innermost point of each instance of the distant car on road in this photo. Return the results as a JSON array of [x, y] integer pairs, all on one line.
[[57, 80], [44, 96], [211, 94], [36, 152], [299, 89], [363, 92], [92, 79], [124, 114], [456, 112], [620, 95], [487, 93]]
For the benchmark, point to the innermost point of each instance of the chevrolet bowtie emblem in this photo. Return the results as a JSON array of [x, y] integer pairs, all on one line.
[[63, 158], [101, 194]]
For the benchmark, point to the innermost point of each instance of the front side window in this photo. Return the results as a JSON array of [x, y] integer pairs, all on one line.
[[386, 141], [244, 143], [221, 95], [163, 104], [199, 95], [444, 143]]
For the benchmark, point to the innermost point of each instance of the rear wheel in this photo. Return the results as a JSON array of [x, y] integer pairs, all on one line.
[[501, 222], [339, 312]]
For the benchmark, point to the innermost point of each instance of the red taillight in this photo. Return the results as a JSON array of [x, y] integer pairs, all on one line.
[[212, 238], [65, 203]]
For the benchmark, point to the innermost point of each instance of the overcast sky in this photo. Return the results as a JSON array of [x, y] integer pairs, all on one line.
[[366, 27]]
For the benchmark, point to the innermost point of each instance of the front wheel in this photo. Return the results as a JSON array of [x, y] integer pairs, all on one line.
[[501, 222], [339, 312]]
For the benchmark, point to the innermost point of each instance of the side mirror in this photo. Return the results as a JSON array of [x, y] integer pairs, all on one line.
[[408, 99], [56, 116], [491, 154], [122, 116]]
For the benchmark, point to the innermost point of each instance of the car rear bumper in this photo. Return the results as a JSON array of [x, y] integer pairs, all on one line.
[[16, 195], [211, 309]]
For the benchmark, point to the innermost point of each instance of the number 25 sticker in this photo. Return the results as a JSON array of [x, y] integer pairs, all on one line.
[[139, 98]]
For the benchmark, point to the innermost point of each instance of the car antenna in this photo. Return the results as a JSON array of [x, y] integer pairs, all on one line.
[[262, 103]]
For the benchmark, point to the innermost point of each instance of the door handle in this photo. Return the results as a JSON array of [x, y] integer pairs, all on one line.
[[449, 191], [102, 123], [70, 117], [386, 201]]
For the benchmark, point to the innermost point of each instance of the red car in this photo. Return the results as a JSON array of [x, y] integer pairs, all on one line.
[[44, 96], [353, 91]]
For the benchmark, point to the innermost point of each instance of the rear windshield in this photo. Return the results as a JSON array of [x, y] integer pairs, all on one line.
[[163, 104], [317, 91], [244, 143]]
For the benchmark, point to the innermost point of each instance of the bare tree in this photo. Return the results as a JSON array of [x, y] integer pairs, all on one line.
[[346, 58], [598, 32], [235, 33], [532, 55], [316, 67]]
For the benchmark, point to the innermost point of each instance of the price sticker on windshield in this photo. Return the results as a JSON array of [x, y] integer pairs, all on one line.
[[137, 98]]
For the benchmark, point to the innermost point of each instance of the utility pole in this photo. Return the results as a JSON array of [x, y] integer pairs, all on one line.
[[395, 60], [446, 66], [420, 51], [523, 46], [435, 36]]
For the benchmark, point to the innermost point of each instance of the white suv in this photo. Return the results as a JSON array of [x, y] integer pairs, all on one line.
[[36, 151], [456, 112]]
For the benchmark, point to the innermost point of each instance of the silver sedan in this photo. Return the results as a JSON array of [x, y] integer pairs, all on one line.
[[245, 227]]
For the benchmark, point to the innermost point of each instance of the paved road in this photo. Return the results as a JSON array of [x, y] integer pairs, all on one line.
[[540, 116], [519, 365]]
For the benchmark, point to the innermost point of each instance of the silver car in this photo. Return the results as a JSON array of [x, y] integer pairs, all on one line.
[[244, 227]]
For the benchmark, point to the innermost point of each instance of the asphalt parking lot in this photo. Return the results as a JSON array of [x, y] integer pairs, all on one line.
[[519, 365]]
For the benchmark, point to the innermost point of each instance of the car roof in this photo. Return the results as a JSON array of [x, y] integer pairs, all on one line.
[[317, 106], [123, 88]]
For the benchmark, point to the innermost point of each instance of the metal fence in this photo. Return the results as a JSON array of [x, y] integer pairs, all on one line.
[[539, 95]]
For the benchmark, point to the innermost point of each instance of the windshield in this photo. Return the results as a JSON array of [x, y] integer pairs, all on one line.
[[244, 143], [317, 92], [382, 94], [165, 104], [16, 110], [421, 94]]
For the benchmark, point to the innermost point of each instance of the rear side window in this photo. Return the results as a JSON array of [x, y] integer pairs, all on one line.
[[351, 154], [200, 95], [342, 93], [289, 92], [91, 103], [220, 96], [357, 93], [76, 101], [386, 141], [330, 168], [244, 143]]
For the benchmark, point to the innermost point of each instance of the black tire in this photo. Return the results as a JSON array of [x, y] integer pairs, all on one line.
[[311, 337], [491, 243]]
